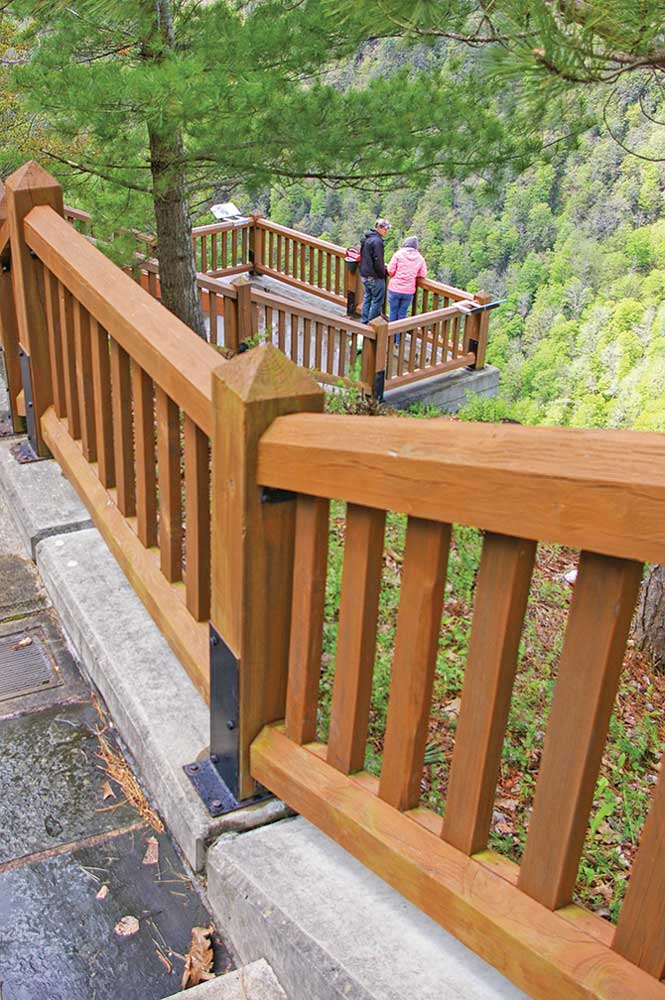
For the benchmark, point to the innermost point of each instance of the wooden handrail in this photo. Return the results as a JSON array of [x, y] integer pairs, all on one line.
[[310, 241], [427, 319], [327, 319], [440, 288], [160, 343], [218, 227], [560, 485], [78, 214]]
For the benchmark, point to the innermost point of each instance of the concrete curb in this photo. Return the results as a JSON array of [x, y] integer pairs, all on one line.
[[450, 391], [332, 929], [155, 707], [253, 982]]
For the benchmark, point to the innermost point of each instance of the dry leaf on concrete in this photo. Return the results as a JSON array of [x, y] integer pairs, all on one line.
[[103, 892], [126, 926], [199, 958], [107, 791], [151, 856], [22, 643]]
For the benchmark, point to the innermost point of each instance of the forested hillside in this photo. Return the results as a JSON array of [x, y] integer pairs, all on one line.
[[575, 243]]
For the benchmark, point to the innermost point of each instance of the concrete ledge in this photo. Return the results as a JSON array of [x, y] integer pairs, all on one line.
[[449, 391], [155, 707], [39, 497], [332, 929], [253, 982]]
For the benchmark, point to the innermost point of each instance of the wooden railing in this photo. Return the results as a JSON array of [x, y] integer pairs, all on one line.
[[211, 482], [222, 248]]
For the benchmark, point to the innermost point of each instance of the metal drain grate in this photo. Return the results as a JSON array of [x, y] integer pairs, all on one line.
[[24, 669]]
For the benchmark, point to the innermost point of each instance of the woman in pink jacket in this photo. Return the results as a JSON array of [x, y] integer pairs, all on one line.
[[404, 268]]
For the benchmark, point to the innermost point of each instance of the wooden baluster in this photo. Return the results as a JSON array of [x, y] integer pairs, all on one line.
[[414, 662], [341, 360], [354, 660], [144, 430], [212, 315], [318, 345], [411, 363], [197, 519], [353, 351], [54, 342], [338, 282], [591, 658], [307, 343], [640, 933], [121, 394], [152, 285], [319, 268], [502, 590], [225, 249], [294, 334], [329, 274], [278, 253], [101, 380], [213, 246], [436, 333], [330, 350], [170, 498], [84, 381], [69, 361], [424, 334], [234, 247], [307, 611], [245, 246], [400, 354], [311, 266], [303, 277], [454, 336], [271, 249], [269, 325], [281, 330]]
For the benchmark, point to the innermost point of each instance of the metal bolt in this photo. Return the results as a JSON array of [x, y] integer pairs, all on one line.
[[216, 804], [214, 641], [194, 767], [214, 758], [230, 724]]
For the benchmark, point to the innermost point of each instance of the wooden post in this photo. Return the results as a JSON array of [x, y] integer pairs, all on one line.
[[252, 554], [8, 325], [256, 243], [243, 287], [28, 187], [477, 326], [380, 326]]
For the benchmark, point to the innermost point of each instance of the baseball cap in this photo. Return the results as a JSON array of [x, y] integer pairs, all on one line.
[[383, 223]]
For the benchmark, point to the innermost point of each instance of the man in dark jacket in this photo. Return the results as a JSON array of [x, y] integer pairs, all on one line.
[[373, 272]]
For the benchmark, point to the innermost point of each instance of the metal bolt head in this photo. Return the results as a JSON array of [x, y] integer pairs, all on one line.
[[216, 804], [214, 641], [214, 758], [230, 724], [194, 768]]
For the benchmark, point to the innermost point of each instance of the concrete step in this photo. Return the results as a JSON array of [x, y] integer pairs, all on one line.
[[253, 982]]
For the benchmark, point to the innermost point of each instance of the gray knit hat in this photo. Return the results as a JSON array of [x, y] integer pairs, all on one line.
[[411, 241]]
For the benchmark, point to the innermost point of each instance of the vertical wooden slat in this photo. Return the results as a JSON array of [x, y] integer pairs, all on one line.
[[152, 285], [307, 342], [330, 350], [170, 500], [225, 248], [281, 329], [354, 660], [234, 247], [214, 237], [310, 272], [341, 362], [307, 610], [197, 520], [591, 659], [54, 342], [319, 267], [294, 325], [303, 277], [204, 253], [416, 645], [144, 429], [69, 361], [411, 364], [123, 445], [318, 345], [502, 591], [400, 354], [269, 330], [640, 933], [84, 381], [101, 380], [212, 314]]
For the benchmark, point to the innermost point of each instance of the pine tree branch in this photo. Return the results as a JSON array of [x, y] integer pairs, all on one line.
[[81, 168]]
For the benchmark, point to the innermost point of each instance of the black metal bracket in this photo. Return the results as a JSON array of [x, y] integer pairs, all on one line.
[[350, 303], [272, 494], [379, 385], [473, 346], [216, 779], [26, 380], [488, 305]]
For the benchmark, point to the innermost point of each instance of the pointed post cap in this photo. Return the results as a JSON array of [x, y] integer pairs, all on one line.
[[31, 176], [264, 373]]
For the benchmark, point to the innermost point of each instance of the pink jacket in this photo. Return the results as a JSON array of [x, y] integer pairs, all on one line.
[[405, 266]]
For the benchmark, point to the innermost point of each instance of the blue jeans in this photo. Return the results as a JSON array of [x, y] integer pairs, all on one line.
[[399, 306], [375, 293]]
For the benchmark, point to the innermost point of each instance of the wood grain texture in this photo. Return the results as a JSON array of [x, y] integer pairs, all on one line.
[[640, 933], [27, 187], [123, 437], [414, 661], [252, 544], [187, 638], [101, 380], [197, 520], [146, 459], [589, 667], [84, 384], [356, 638], [307, 610], [599, 490], [502, 589], [9, 337], [162, 346], [51, 296], [170, 495], [539, 951], [68, 345]]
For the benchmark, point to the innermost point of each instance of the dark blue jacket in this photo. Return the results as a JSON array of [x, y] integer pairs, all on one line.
[[372, 263]]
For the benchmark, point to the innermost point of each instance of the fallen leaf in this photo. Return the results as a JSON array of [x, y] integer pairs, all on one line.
[[199, 958], [151, 856], [103, 892], [126, 926], [22, 643], [503, 828], [107, 791], [453, 707], [509, 804]]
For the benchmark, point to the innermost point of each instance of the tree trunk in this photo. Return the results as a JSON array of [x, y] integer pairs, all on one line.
[[177, 271], [650, 624]]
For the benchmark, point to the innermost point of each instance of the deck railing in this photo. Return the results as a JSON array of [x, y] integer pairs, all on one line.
[[140, 415]]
